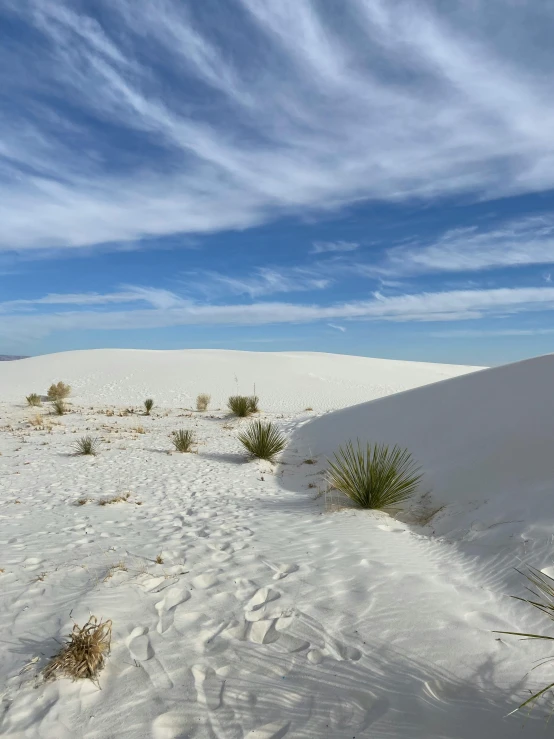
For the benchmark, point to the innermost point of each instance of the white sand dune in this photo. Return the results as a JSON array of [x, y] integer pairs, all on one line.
[[269, 617]]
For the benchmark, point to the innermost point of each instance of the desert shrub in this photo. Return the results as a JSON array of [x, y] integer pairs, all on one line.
[[148, 405], [86, 445], [84, 655], [253, 401], [263, 440], [183, 440], [58, 407], [58, 391], [240, 405], [33, 399], [202, 402], [36, 420], [543, 599], [374, 477]]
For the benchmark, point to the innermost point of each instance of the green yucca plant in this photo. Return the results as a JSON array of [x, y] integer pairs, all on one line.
[[375, 477], [86, 445], [148, 405], [253, 401], [240, 405], [58, 407], [544, 601], [183, 440], [58, 391], [34, 399], [263, 440]]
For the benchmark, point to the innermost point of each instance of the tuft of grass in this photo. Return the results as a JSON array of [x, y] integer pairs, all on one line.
[[86, 445], [58, 391], [202, 402], [58, 407], [183, 440], [263, 440], [36, 420], [116, 499], [375, 477], [542, 599], [308, 409], [84, 655], [148, 405], [34, 399], [82, 501], [240, 405], [159, 559], [139, 430], [112, 569], [253, 401], [309, 461]]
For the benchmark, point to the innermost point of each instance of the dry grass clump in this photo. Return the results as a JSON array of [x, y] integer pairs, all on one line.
[[243, 405], [116, 499], [183, 440], [33, 399], [58, 391], [112, 569], [376, 477], [86, 445], [84, 655], [159, 559], [148, 405], [36, 420], [139, 430], [263, 440], [542, 599], [202, 402], [58, 407]]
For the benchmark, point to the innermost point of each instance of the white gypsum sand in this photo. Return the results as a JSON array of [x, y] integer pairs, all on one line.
[[241, 607]]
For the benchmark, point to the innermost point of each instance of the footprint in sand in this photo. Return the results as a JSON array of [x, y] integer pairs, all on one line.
[[166, 607], [209, 687], [139, 645], [172, 725]]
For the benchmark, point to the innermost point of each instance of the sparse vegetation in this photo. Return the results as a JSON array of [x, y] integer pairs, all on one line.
[[34, 399], [139, 430], [148, 405], [116, 499], [263, 440], [183, 440], [253, 401], [84, 655], [309, 461], [375, 477], [82, 501], [241, 405], [86, 445], [117, 567], [159, 559], [36, 420], [308, 409], [58, 407], [58, 391], [543, 600], [202, 402]]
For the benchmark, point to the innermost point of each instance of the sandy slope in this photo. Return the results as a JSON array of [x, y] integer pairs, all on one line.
[[269, 617], [286, 381]]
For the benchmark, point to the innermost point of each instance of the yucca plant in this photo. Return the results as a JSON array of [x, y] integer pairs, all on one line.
[[240, 405], [34, 399], [58, 391], [86, 445], [544, 601], [202, 402], [374, 477], [148, 405], [58, 407], [253, 401], [263, 440], [183, 440]]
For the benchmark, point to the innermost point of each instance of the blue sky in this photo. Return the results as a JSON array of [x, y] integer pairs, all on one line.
[[367, 177]]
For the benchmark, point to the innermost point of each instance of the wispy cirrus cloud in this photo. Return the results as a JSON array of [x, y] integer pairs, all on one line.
[[444, 306], [262, 281], [398, 101], [325, 247]]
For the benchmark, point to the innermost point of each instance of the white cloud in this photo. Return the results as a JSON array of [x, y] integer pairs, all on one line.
[[423, 307], [335, 326], [263, 281], [131, 294], [395, 102], [323, 247]]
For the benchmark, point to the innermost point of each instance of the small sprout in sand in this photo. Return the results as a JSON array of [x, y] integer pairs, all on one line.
[[263, 440], [41, 577], [376, 477], [148, 405], [183, 440], [84, 655], [309, 461], [58, 391], [82, 501], [159, 559], [86, 445], [36, 420], [139, 430], [34, 399], [202, 402], [58, 407], [240, 405], [116, 499], [117, 567]]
